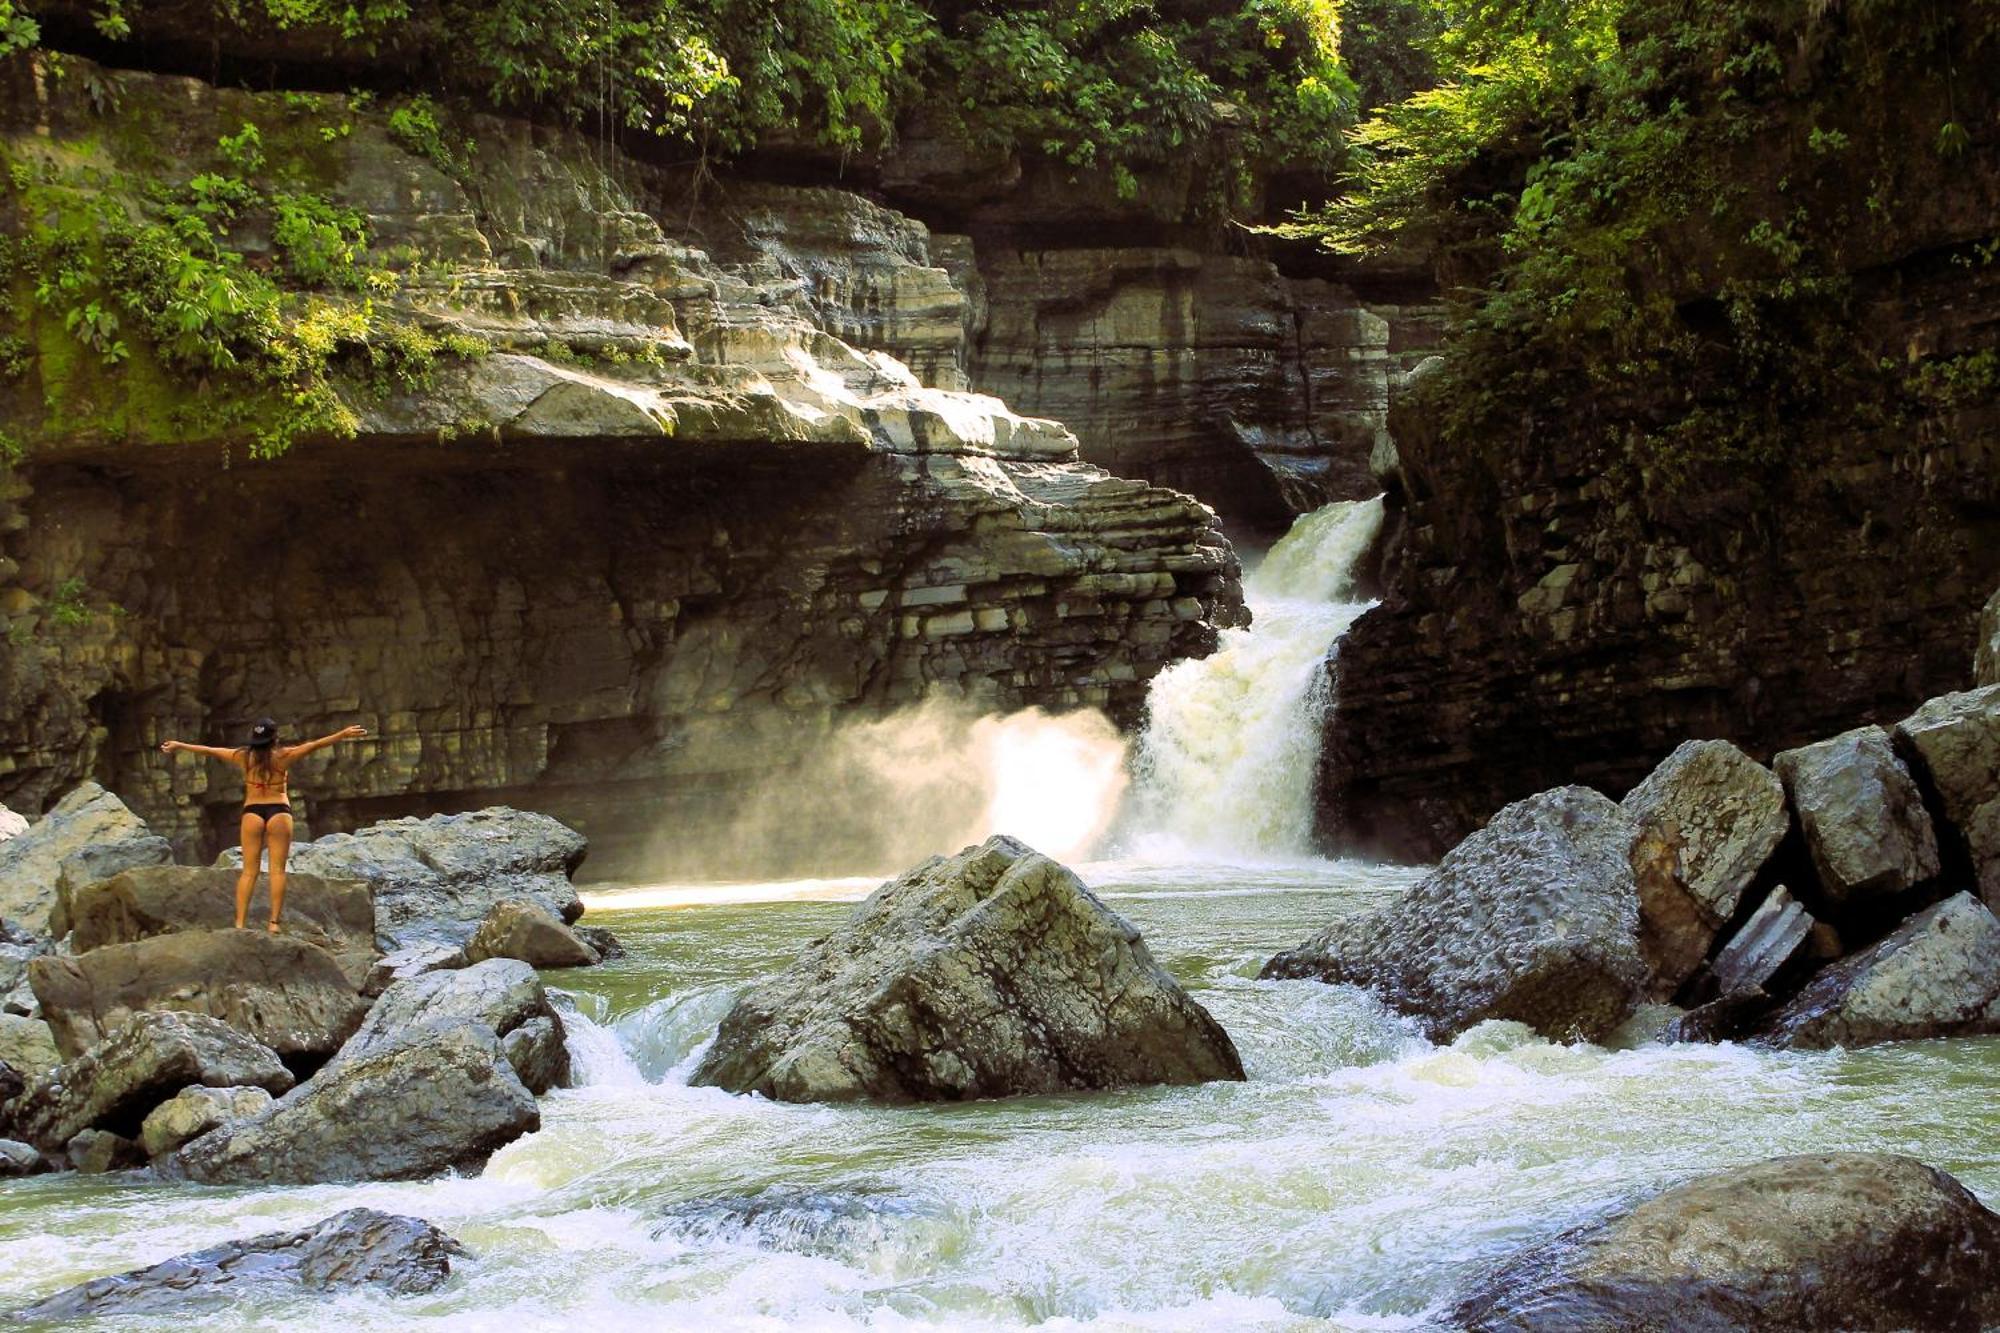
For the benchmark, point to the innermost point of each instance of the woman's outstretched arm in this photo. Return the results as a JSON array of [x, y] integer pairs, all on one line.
[[205, 751], [307, 747]]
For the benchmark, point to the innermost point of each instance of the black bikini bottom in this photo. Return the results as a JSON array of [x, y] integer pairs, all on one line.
[[267, 812]]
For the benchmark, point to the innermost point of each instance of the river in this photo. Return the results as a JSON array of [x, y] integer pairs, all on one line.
[[1356, 1179]]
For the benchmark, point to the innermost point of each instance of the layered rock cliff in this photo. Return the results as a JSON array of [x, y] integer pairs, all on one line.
[[708, 482]]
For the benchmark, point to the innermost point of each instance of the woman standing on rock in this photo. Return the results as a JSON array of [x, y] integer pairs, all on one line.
[[267, 804]]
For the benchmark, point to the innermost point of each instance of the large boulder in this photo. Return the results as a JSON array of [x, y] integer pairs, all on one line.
[[87, 836], [1534, 918], [1862, 816], [115, 1084], [503, 996], [524, 929], [436, 879], [194, 1112], [1955, 743], [284, 993], [1844, 1241], [1718, 815], [444, 1099], [1938, 975], [337, 915], [28, 1046], [350, 1250], [987, 974]]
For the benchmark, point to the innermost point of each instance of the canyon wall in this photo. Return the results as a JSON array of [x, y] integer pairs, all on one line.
[[712, 483]]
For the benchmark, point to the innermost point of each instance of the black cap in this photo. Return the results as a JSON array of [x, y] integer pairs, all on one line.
[[263, 731]]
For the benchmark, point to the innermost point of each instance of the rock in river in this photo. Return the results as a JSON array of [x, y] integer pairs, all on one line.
[[522, 928], [436, 879], [1955, 739], [501, 995], [1938, 975], [281, 992], [337, 915], [194, 1113], [357, 1248], [1862, 816], [1533, 918], [1843, 1241], [116, 1083], [86, 836], [987, 974], [445, 1099]]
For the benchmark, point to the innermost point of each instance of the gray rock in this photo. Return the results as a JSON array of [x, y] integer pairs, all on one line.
[[335, 915], [27, 1046], [435, 879], [1534, 918], [12, 1083], [1837, 1242], [1986, 659], [20, 1159], [12, 825], [86, 836], [1954, 740], [1938, 975], [194, 1112], [96, 1151], [499, 995], [116, 1083], [538, 1054], [443, 1099], [522, 928], [1723, 1019], [987, 974], [18, 948], [281, 992], [1723, 811], [601, 941], [413, 961], [1862, 816], [1772, 937], [350, 1250]]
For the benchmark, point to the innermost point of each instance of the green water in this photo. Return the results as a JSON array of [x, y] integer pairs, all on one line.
[[1356, 1179]]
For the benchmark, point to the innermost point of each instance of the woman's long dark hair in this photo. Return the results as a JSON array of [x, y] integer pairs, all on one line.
[[263, 744]]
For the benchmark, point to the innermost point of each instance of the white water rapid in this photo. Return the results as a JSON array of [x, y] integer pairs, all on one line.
[[1228, 761]]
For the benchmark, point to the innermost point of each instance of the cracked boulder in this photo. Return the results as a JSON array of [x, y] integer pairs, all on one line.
[[1954, 740], [1862, 816], [991, 973]]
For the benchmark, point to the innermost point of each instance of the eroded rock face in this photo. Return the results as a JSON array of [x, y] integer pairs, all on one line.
[[337, 915], [1846, 1242], [1938, 975], [116, 1083], [435, 880], [987, 974], [355, 1249], [1863, 818], [826, 533], [86, 836], [1723, 812], [524, 929], [1534, 918], [446, 1099], [1956, 740], [281, 992]]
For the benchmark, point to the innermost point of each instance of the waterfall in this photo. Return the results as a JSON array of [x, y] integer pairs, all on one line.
[[1228, 760]]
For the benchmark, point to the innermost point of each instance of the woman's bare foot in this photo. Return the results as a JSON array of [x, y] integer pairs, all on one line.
[[272, 928]]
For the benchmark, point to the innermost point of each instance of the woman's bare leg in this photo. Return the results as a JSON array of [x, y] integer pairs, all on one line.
[[253, 852], [279, 828]]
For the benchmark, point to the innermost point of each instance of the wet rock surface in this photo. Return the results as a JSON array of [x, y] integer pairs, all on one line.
[[1535, 918], [281, 992], [1937, 975], [96, 1151], [116, 1083], [355, 1249], [524, 929], [1862, 816], [445, 1098], [501, 996], [1772, 936], [86, 836], [1847, 1242], [337, 915], [988, 974]]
